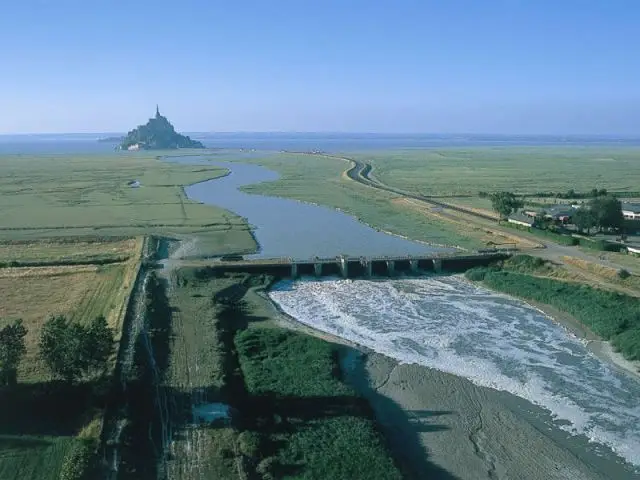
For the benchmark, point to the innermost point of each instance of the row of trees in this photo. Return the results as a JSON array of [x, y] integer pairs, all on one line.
[[603, 213], [570, 194], [69, 350]]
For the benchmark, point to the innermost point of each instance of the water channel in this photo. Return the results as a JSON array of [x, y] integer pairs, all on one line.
[[290, 228]]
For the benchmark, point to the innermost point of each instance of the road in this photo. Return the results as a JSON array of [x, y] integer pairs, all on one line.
[[361, 173]]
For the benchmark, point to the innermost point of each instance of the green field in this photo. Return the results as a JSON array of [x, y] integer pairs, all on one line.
[[524, 170], [32, 457], [324, 429], [81, 196]]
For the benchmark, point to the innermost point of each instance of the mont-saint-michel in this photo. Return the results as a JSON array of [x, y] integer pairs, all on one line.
[[157, 134]]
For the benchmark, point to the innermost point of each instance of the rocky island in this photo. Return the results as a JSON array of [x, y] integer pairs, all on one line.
[[158, 133]]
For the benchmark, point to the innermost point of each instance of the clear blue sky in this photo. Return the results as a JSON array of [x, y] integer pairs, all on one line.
[[475, 66]]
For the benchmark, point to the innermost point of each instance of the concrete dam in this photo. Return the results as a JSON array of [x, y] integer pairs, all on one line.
[[352, 267]]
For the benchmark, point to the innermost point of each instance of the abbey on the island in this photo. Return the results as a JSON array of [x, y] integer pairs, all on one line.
[[157, 134]]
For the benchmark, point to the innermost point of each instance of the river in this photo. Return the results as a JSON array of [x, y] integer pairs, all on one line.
[[438, 322], [289, 228]]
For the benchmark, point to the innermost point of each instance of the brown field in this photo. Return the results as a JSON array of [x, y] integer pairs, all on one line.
[[56, 251], [80, 292], [606, 276]]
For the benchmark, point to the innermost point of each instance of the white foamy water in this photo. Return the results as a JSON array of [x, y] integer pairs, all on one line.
[[493, 340]]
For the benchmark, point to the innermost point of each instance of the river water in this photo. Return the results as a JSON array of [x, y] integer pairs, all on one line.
[[493, 340], [289, 228]]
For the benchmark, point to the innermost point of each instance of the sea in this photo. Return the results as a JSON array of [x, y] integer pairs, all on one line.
[[85, 143]]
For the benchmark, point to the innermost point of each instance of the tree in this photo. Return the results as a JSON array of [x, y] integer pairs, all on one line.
[[505, 203], [607, 212], [12, 349], [584, 219], [72, 350], [98, 343], [61, 347], [542, 220]]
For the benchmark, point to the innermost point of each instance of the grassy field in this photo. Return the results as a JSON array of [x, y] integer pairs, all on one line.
[[526, 170], [40, 419], [63, 252], [59, 196], [321, 180], [196, 374]]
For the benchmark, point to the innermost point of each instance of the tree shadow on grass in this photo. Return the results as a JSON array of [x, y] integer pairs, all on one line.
[[10, 442], [48, 408]]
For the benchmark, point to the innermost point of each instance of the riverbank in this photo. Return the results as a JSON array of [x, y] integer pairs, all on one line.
[[606, 321], [599, 347]]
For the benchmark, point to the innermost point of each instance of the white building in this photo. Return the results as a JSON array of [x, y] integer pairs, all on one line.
[[631, 211]]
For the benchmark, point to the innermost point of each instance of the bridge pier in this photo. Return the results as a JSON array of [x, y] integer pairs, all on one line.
[[413, 265], [344, 266], [317, 269], [367, 265], [294, 270], [437, 265], [391, 267]]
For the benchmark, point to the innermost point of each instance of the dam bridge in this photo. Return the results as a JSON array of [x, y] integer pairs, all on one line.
[[354, 267]]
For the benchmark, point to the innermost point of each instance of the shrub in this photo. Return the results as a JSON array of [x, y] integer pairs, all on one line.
[[622, 273], [322, 428], [266, 468], [249, 444], [80, 462], [524, 263], [628, 342], [601, 245], [476, 274]]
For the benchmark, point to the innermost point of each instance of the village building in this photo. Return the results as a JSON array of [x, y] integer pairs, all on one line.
[[631, 211], [519, 218]]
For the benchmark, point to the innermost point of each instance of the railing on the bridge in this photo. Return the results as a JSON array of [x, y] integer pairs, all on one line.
[[377, 258]]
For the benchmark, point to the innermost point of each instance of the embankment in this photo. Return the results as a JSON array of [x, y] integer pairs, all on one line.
[[612, 316]]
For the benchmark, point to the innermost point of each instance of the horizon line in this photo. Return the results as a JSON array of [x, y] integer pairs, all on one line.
[[330, 132]]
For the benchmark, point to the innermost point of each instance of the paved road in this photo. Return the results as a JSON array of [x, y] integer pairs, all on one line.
[[361, 173]]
